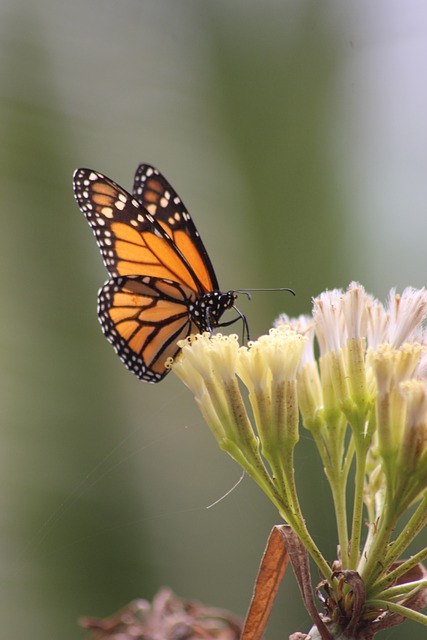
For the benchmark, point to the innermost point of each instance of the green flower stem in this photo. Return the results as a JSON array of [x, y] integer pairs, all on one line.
[[373, 566], [242, 445], [394, 575], [340, 505], [348, 459], [361, 446], [255, 468], [341, 509], [338, 483], [408, 590], [380, 542], [257, 471], [279, 480], [237, 438], [303, 534], [410, 531], [285, 468], [252, 463], [288, 473], [331, 453], [398, 608], [279, 452], [339, 493]]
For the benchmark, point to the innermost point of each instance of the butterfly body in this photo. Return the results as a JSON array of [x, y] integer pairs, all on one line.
[[206, 310], [163, 286]]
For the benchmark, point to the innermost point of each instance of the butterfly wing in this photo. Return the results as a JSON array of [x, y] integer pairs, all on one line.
[[144, 318], [162, 201], [163, 285], [131, 240]]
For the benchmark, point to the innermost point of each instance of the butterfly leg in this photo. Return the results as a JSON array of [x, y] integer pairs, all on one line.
[[241, 316]]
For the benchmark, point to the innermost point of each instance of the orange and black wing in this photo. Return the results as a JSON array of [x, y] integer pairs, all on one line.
[[131, 240], [161, 200], [144, 318]]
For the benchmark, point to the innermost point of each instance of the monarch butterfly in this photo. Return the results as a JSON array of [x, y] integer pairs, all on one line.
[[163, 286]]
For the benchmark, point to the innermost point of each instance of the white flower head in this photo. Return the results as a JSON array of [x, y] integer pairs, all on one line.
[[406, 314], [329, 321], [303, 325], [355, 303]]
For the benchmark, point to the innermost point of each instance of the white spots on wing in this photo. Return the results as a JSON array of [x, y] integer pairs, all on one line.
[[151, 208], [134, 223], [107, 212], [120, 205], [164, 200], [93, 176], [135, 203], [176, 219]]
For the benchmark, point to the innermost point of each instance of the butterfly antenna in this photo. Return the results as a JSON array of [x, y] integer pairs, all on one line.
[[247, 292]]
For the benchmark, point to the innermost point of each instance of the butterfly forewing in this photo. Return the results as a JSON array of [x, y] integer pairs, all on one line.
[[131, 241], [144, 318], [161, 200]]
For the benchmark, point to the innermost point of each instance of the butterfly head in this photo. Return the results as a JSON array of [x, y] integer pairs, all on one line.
[[208, 309]]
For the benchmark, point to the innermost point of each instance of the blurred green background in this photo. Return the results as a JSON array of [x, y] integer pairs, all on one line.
[[296, 134]]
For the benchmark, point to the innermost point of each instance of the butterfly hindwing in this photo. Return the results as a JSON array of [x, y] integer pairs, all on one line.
[[161, 200], [130, 239], [144, 318]]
